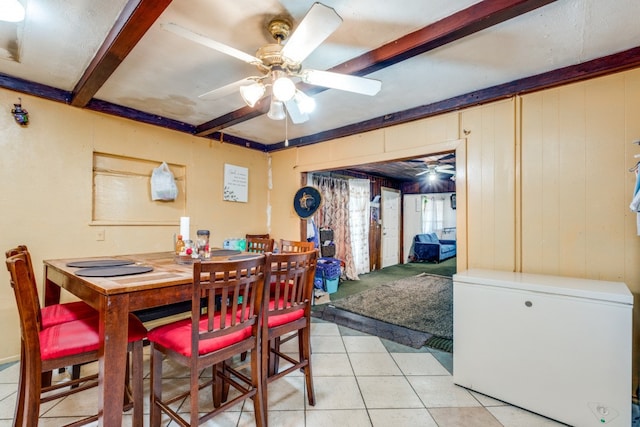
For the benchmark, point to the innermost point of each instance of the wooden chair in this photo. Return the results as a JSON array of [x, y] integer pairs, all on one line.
[[259, 245], [259, 236], [212, 336], [74, 342], [287, 310], [55, 314], [288, 246]]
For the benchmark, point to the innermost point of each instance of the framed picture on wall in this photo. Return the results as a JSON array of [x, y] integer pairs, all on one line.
[[453, 201], [236, 183]]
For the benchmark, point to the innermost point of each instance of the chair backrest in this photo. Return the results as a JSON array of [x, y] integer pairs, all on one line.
[[24, 289], [290, 277], [259, 236], [228, 294], [259, 245], [22, 249], [288, 246]]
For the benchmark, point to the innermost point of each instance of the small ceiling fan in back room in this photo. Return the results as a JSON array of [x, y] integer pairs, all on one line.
[[434, 168], [280, 65]]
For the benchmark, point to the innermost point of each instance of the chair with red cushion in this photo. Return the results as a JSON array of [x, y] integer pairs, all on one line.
[[227, 324], [288, 311], [55, 314], [74, 342]]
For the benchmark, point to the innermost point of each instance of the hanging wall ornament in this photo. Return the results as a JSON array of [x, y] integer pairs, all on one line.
[[21, 115]]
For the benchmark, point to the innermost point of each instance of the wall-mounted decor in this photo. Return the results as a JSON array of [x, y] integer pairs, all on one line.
[[453, 201], [236, 184]]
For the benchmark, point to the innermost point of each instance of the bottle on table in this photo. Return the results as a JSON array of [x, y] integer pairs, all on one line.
[[179, 245]]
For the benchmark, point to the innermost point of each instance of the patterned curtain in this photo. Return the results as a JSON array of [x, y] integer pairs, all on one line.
[[359, 213], [334, 214]]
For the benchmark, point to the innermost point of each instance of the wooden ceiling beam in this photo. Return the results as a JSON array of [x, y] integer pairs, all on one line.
[[134, 21], [475, 18]]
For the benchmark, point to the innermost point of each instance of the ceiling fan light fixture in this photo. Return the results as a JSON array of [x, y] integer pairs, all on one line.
[[276, 111], [252, 93], [283, 89], [306, 104], [433, 175], [11, 11]]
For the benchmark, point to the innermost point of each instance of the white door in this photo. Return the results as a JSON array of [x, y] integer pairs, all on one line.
[[390, 215], [411, 222]]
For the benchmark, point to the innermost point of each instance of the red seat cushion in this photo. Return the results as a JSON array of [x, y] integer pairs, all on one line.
[[61, 313], [66, 339], [80, 336], [177, 336], [281, 319]]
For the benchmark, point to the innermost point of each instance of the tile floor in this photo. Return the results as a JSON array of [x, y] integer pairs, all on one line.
[[360, 380]]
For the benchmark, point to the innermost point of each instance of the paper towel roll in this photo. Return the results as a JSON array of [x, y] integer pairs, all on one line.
[[184, 227]]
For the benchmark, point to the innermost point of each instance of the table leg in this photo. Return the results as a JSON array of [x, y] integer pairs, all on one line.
[[114, 312], [51, 290]]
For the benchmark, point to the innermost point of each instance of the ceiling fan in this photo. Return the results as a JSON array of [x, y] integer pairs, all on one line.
[[434, 168], [280, 65]]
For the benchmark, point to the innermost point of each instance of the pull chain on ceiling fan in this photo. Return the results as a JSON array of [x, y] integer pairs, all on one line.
[[281, 64]]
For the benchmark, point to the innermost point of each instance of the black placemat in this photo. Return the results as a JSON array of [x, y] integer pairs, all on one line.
[[114, 271], [100, 263], [237, 257], [224, 252]]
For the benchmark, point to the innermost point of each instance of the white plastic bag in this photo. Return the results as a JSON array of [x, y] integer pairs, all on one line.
[[163, 184]]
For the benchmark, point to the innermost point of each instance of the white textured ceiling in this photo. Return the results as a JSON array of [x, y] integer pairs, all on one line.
[[164, 74]]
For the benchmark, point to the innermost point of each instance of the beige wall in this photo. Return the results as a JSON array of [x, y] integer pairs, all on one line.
[[46, 171]]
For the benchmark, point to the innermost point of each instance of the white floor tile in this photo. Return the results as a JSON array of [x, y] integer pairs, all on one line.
[[440, 391], [336, 393], [363, 344], [419, 364], [373, 364], [331, 365], [327, 344], [338, 418], [401, 418], [388, 392]]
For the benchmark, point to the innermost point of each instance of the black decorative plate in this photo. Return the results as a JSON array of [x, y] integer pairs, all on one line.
[[224, 252], [100, 263], [114, 271]]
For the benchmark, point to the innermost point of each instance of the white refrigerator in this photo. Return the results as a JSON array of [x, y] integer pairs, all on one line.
[[556, 346]]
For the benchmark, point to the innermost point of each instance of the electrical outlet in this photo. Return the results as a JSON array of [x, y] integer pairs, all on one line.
[[100, 235]]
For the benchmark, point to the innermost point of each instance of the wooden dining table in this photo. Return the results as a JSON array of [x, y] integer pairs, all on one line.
[[114, 298]]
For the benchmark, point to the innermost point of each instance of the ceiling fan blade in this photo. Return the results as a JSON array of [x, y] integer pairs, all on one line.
[[206, 41], [294, 112], [318, 24], [223, 91], [450, 172], [422, 173], [346, 82], [445, 166]]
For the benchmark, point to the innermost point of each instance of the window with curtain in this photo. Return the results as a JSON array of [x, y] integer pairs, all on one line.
[[359, 208], [432, 214]]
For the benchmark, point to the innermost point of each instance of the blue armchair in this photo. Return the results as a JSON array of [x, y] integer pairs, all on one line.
[[427, 247]]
